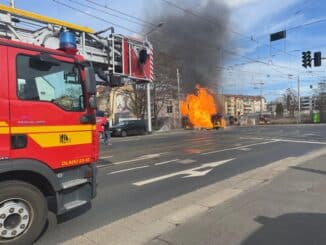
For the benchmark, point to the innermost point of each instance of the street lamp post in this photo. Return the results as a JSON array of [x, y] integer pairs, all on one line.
[[299, 101], [178, 82], [261, 84], [299, 97], [148, 86]]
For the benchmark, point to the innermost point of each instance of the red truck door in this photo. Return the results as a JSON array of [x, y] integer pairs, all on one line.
[[46, 106], [4, 105]]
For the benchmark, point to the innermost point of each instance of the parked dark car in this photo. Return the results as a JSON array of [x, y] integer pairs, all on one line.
[[131, 127]]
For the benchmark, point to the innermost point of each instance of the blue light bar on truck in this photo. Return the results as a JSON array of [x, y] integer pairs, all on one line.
[[68, 42]]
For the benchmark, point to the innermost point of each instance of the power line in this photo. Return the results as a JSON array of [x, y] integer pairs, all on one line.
[[106, 12], [205, 19], [94, 16], [120, 12], [249, 38], [306, 24], [125, 28]]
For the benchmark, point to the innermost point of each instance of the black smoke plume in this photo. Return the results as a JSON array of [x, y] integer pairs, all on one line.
[[193, 42]]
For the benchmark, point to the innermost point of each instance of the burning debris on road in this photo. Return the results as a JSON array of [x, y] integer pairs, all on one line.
[[201, 109]]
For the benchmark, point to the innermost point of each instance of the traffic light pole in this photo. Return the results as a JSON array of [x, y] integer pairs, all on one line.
[[149, 111], [299, 101], [179, 111]]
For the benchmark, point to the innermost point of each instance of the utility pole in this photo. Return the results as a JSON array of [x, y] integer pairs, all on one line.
[[261, 84], [148, 86], [12, 3], [299, 101], [178, 82], [261, 98], [149, 112]]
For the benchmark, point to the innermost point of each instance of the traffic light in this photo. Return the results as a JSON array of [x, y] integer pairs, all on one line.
[[306, 59], [308, 53], [317, 59]]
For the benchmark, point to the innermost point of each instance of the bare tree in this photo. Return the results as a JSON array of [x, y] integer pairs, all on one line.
[[290, 100], [136, 94], [164, 87]]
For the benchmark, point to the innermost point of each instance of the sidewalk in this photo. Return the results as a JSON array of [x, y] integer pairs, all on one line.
[[291, 209]]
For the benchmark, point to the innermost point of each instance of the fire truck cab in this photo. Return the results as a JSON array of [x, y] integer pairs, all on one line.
[[48, 142], [48, 139]]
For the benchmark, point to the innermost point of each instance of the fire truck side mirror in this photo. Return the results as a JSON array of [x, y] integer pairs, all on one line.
[[92, 102], [143, 56], [90, 80]]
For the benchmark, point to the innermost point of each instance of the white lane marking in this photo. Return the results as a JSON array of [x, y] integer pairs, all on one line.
[[165, 162], [309, 134], [301, 141], [251, 138], [105, 157], [193, 172], [187, 161], [244, 149], [126, 170], [236, 148], [292, 141], [144, 157]]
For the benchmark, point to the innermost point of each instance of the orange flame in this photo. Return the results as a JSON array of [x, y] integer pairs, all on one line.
[[199, 107]]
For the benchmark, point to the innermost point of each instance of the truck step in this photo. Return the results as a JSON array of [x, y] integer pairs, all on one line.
[[73, 183], [74, 204]]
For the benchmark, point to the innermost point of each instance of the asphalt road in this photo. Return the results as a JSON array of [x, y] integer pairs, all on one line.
[[138, 172]]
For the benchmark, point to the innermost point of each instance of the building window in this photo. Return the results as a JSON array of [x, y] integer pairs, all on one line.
[[169, 109]]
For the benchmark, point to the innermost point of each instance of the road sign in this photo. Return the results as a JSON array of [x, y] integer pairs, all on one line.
[[277, 36]]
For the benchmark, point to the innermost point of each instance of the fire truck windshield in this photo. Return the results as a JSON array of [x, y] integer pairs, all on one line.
[[53, 82]]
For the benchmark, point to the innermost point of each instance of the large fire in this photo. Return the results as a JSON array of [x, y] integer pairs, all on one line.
[[199, 107]]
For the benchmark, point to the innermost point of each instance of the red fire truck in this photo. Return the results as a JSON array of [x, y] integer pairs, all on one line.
[[48, 137], [48, 140], [47, 134]]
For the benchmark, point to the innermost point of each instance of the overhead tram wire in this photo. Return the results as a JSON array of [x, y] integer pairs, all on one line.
[[253, 72], [122, 13], [108, 13], [132, 31], [94, 16], [307, 24], [203, 18], [249, 38]]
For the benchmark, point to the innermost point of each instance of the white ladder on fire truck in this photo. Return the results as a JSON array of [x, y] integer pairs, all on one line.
[[105, 53]]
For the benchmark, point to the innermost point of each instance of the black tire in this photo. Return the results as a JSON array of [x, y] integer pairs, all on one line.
[[123, 133], [35, 203]]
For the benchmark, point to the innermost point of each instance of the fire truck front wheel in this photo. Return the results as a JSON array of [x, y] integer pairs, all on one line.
[[23, 212]]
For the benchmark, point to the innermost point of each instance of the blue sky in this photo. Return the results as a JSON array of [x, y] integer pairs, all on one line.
[[254, 19]]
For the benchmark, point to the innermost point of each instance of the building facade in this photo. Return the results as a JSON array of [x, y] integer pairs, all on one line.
[[237, 105]]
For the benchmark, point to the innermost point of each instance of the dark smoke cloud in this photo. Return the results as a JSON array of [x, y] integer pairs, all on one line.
[[193, 42]]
